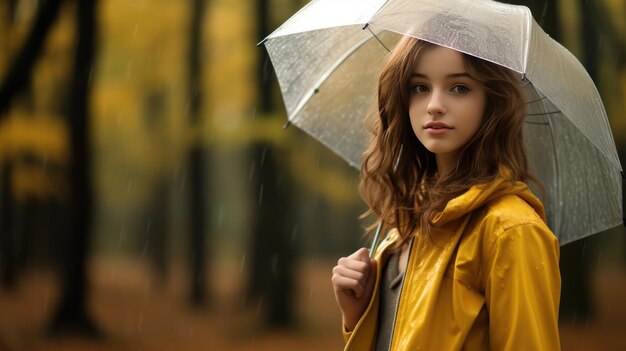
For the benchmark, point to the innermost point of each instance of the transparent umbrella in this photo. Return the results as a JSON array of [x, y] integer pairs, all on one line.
[[327, 58]]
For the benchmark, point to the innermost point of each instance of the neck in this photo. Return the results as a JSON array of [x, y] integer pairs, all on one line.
[[446, 163]]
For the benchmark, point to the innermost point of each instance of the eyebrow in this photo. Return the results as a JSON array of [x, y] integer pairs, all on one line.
[[448, 76]]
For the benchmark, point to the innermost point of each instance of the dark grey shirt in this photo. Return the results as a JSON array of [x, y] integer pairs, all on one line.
[[390, 288]]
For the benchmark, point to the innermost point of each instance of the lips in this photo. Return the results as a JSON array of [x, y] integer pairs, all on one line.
[[436, 125]]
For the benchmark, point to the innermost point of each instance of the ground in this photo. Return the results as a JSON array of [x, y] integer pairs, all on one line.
[[135, 314]]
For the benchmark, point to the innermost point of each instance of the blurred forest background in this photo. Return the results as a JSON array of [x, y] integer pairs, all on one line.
[[151, 200]]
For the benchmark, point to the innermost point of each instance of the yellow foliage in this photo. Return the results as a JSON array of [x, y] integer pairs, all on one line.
[[44, 136]]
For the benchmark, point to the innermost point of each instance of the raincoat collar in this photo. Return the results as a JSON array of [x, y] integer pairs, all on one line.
[[481, 194]]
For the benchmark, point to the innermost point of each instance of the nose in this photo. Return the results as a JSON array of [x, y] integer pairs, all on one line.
[[436, 106]]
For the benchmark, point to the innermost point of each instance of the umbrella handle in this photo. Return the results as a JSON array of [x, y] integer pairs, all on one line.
[[375, 241]]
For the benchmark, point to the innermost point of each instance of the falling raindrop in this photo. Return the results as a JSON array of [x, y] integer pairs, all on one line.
[[310, 297], [129, 186], [140, 321], [149, 226], [251, 172], [261, 194], [242, 263], [220, 216], [294, 233], [129, 69], [254, 113], [263, 155], [144, 251], [122, 237]]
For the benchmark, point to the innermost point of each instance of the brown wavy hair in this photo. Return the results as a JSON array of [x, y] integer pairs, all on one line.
[[399, 178]]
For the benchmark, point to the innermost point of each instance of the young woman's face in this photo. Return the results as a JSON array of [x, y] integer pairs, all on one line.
[[447, 105]]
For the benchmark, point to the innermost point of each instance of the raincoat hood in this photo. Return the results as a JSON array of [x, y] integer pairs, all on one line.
[[482, 194]]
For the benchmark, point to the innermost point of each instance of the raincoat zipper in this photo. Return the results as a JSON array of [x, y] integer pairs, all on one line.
[[393, 325]]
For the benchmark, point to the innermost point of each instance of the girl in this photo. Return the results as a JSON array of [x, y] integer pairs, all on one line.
[[470, 263]]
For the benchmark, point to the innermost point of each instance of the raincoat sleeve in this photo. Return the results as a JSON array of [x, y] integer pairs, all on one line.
[[522, 289]]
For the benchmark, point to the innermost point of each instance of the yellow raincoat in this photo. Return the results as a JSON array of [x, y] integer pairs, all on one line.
[[491, 281]]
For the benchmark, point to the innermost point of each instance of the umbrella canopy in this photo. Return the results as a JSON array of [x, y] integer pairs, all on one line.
[[328, 56]]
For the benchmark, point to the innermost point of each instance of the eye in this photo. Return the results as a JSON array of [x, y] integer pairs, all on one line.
[[419, 89], [460, 89]]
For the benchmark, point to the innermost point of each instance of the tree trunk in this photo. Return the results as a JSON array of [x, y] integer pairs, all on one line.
[[19, 72], [8, 249], [272, 251], [71, 314], [576, 303], [157, 217], [199, 204]]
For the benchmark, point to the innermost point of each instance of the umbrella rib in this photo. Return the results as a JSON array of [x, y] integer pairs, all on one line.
[[543, 113], [367, 26], [537, 123], [537, 100]]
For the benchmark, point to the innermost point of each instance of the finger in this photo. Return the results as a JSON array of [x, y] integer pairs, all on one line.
[[345, 284], [350, 273], [353, 264], [361, 254]]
